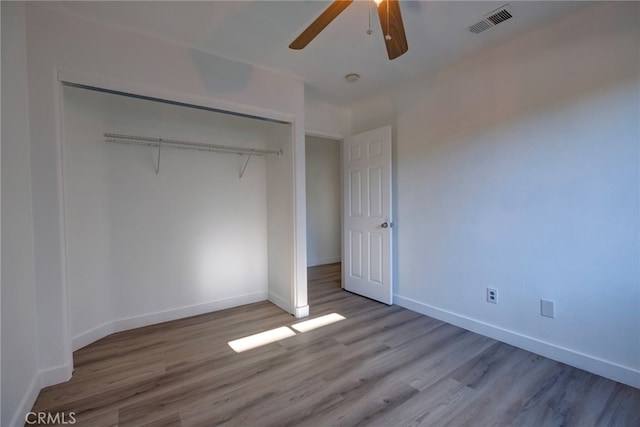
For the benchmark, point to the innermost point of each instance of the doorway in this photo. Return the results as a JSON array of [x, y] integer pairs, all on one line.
[[354, 196], [324, 201]]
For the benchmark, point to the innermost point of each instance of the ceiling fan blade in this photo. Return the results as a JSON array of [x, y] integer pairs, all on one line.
[[393, 27], [320, 23]]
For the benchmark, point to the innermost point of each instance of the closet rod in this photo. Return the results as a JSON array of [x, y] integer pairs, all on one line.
[[156, 142]]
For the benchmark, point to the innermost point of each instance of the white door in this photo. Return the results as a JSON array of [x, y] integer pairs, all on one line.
[[367, 216]]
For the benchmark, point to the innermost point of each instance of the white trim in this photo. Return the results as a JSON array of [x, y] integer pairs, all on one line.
[[27, 402], [299, 290], [574, 358], [325, 135], [87, 79], [92, 335], [62, 209], [118, 325], [302, 311], [40, 380], [56, 375], [323, 261], [294, 292]]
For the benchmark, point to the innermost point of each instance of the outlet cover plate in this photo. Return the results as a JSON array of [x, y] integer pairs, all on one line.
[[492, 295], [547, 309]]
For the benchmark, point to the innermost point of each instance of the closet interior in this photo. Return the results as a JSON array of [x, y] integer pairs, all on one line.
[[171, 210]]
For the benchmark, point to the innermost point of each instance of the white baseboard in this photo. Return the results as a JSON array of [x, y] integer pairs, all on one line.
[[579, 360], [280, 302], [298, 312], [92, 335], [42, 379], [118, 325], [56, 375], [323, 261], [301, 312], [27, 402]]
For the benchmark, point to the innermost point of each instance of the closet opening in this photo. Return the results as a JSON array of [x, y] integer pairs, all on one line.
[[171, 210]]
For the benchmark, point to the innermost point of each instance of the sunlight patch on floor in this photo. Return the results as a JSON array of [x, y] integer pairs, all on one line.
[[260, 339], [277, 334], [318, 322]]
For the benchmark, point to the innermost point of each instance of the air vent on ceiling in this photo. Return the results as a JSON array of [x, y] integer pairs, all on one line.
[[492, 19]]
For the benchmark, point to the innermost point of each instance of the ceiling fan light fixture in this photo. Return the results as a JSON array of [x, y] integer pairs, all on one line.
[[352, 78]]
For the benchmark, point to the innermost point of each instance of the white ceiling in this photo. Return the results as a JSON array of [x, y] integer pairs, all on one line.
[[259, 32]]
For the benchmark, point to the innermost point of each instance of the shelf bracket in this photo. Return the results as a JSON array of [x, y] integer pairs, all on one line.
[[158, 164], [245, 164]]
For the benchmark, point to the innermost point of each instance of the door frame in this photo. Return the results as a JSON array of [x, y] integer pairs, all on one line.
[[341, 139]]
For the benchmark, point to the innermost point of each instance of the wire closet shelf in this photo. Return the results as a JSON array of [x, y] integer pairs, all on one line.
[[189, 145]]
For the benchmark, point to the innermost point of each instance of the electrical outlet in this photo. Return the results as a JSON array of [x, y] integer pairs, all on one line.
[[492, 295]]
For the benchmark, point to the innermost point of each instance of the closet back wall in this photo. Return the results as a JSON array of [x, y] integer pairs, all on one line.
[[144, 248]]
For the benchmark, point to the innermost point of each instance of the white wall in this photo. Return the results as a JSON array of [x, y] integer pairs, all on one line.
[[519, 170], [91, 52], [323, 201], [143, 247], [20, 369], [325, 119]]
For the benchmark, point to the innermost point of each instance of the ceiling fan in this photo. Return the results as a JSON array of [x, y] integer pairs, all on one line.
[[390, 21]]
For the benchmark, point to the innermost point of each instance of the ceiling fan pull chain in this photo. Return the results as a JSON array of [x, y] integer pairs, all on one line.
[[387, 37], [369, 31]]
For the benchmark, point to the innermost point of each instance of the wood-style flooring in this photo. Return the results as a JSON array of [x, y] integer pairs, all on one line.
[[381, 366]]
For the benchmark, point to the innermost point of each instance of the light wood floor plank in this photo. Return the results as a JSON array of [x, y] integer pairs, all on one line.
[[380, 366]]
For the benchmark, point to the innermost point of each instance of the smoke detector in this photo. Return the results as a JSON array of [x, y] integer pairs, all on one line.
[[492, 19]]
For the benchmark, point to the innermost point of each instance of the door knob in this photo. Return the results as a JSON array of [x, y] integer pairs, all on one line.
[[384, 225]]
